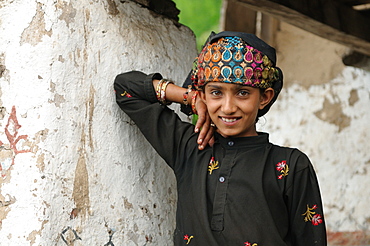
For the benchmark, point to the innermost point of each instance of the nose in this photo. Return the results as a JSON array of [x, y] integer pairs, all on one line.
[[228, 105]]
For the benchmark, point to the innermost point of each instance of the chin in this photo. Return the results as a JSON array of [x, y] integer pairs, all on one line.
[[235, 134], [229, 134]]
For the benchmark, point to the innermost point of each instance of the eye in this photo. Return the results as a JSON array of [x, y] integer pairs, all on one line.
[[243, 93], [215, 93]]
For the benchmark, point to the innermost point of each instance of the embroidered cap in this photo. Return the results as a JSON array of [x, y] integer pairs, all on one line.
[[231, 60], [238, 58]]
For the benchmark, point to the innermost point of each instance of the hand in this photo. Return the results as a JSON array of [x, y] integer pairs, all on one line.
[[204, 123]]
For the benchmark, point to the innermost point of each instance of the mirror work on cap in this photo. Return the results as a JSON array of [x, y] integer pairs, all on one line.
[[231, 60]]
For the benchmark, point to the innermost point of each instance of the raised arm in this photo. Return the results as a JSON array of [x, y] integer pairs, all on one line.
[[174, 93], [137, 96]]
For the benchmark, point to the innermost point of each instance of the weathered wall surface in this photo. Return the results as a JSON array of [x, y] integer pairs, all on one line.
[[324, 111], [75, 170]]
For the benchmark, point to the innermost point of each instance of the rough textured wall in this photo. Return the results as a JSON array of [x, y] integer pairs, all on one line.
[[75, 170], [324, 111]]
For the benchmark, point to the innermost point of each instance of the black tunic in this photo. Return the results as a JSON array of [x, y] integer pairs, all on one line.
[[242, 191]]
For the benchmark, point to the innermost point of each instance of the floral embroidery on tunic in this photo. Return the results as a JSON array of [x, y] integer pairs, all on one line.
[[249, 244], [283, 168], [126, 94], [311, 215], [188, 238], [213, 165]]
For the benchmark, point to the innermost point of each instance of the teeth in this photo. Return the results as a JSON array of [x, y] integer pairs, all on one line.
[[228, 120]]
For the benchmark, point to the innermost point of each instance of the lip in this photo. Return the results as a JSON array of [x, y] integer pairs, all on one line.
[[229, 120]]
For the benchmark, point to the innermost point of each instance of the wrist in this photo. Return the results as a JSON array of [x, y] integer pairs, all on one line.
[[193, 101], [187, 96], [160, 90]]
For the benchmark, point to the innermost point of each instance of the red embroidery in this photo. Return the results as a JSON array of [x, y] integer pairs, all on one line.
[[188, 238], [249, 244], [311, 215], [126, 94], [283, 168], [316, 219]]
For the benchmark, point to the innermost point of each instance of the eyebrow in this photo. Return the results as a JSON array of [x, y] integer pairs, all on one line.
[[214, 86], [239, 86]]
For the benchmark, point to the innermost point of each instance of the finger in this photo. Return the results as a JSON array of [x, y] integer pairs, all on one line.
[[202, 114], [204, 130], [205, 133], [199, 123], [201, 120]]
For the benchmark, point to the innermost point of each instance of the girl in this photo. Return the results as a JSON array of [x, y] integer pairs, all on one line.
[[242, 190]]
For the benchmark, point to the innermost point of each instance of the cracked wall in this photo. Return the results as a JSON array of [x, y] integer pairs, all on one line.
[[34, 33], [73, 165]]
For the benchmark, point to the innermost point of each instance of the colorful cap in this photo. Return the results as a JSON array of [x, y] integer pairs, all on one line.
[[231, 60]]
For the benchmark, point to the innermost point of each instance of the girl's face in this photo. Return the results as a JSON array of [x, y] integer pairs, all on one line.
[[233, 108]]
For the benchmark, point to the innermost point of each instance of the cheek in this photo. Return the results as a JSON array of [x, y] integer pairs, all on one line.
[[251, 107], [212, 107]]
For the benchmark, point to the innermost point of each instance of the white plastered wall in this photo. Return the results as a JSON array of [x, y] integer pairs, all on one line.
[[324, 111], [75, 170]]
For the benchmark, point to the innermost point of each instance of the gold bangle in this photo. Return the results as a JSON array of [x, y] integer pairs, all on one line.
[[158, 90], [164, 85]]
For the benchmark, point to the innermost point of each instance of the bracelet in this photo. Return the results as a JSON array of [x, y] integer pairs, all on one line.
[[186, 95], [158, 90], [161, 91], [193, 98]]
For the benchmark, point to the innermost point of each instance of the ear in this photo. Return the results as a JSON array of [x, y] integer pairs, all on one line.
[[266, 97]]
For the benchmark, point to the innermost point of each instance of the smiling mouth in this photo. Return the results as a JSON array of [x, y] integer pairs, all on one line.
[[230, 120]]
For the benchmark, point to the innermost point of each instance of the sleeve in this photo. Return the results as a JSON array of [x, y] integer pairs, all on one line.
[[160, 125], [307, 224]]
